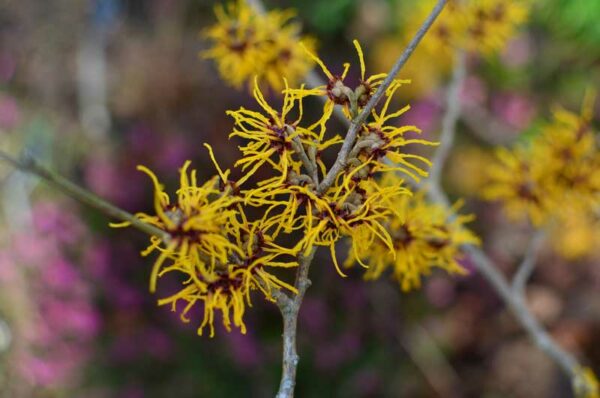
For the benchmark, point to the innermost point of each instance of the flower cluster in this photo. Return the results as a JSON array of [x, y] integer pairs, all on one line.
[[554, 180], [480, 26], [555, 173], [423, 236], [220, 254], [248, 44], [303, 202], [477, 26]]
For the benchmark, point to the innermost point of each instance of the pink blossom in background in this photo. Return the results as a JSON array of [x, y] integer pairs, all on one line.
[[8, 65], [63, 322], [339, 350], [7, 268], [514, 109], [32, 251], [518, 52], [244, 349], [51, 218], [423, 114], [60, 276], [473, 91], [175, 151], [314, 316], [131, 391], [116, 181], [439, 290], [101, 176], [10, 113], [158, 343]]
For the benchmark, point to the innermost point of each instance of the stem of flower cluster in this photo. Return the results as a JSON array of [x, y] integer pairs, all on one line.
[[29, 164], [513, 296], [290, 307], [451, 115], [358, 121], [289, 311]]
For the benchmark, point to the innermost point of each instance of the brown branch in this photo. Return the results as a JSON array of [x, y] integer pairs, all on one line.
[[358, 121], [290, 307], [310, 166], [451, 115], [528, 264], [515, 302], [289, 311], [512, 297], [29, 164]]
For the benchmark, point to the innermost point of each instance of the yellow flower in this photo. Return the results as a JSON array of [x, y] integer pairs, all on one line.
[[571, 144], [468, 161], [287, 59], [247, 44], [270, 136], [221, 255], [227, 287], [586, 384], [515, 181], [382, 146], [489, 24], [237, 38], [478, 26], [558, 170], [224, 289], [351, 208], [337, 90], [482, 26], [423, 236], [575, 233], [196, 222]]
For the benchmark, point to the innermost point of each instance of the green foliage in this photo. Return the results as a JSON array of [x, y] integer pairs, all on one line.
[[576, 19], [326, 17]]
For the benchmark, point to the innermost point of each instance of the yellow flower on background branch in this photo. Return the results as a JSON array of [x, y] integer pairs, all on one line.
[[246, 44], [423, 236], [482, 27], [556, 173]]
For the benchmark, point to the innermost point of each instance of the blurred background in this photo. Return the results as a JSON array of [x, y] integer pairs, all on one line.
[[93, 88]]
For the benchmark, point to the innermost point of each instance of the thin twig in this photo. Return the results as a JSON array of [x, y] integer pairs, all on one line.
[[518, 307], [528, 264], [310, 166], [490, 272], [451, 115], [29, 164], [357, 122], [486, 267], [289, 311]]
